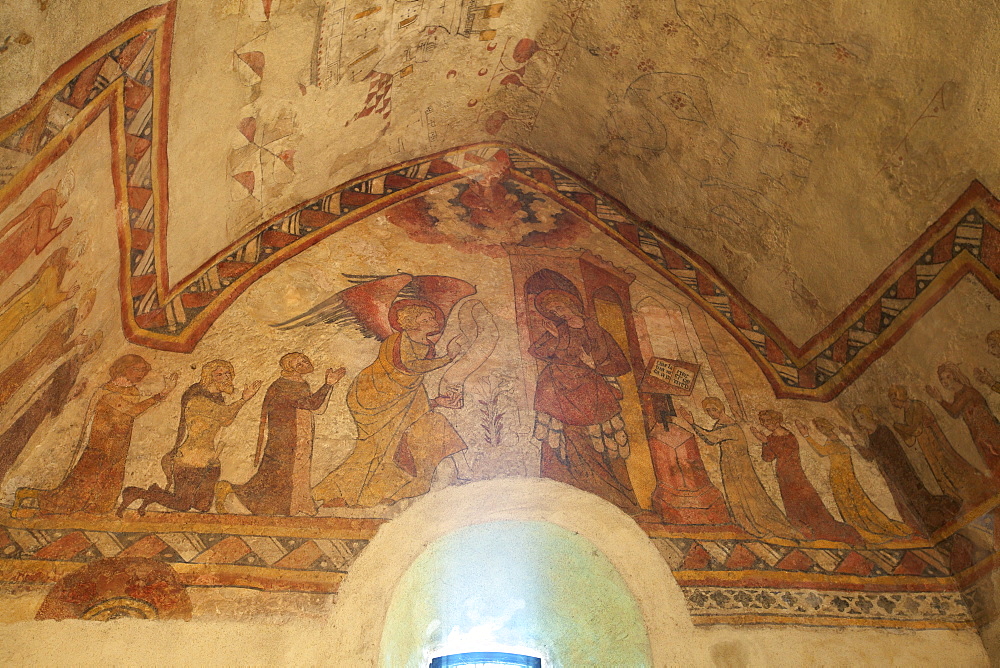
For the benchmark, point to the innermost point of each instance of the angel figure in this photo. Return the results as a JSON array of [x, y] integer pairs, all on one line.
[[402, 438]]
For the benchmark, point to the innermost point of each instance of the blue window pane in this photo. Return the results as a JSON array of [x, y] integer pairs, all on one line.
[[486, 660]]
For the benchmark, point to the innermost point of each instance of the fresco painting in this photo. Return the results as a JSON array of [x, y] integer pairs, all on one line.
[[397, 357], [475, 314]]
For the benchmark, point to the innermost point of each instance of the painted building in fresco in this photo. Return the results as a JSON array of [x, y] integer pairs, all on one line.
[[366, 406]]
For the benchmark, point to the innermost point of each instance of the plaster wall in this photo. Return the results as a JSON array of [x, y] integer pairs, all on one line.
[[784, 142], [803, 150]]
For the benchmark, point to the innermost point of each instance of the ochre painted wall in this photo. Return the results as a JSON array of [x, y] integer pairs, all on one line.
[[239, 390]]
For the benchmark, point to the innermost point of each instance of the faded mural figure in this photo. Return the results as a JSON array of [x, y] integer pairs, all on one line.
[[916, 504], [970, 405], [803, 505], [57, 341], [578, 416], [42, 291], [192, 466], [401, 438], [993, 348], [684, 493], [852, 500], [32, 230], [748, 501], [490, 204], [281, 484], [956, 477], [95, 480], [48, 401]]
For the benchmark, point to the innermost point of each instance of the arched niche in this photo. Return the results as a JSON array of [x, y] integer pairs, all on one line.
[[533, 586], [366, 595]]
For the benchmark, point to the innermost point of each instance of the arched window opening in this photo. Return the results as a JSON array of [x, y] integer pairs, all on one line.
[[513, 588]]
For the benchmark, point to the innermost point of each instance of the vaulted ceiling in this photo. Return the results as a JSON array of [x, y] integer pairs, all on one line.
[[798, 146]]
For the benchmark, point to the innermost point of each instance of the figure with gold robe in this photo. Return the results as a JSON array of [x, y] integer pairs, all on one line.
[[42, 291], [57, 341], [748, 501], [855, 506], [401, 438]]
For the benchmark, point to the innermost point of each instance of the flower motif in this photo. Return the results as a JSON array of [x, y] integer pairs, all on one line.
[[646, 65]]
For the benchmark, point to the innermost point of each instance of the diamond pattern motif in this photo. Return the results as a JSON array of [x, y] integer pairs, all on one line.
[[130, 65], [691, 560], [719, 605], [685, 554], [297, 554]]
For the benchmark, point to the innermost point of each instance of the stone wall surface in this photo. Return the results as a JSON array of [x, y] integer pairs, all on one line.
[[293, 294]]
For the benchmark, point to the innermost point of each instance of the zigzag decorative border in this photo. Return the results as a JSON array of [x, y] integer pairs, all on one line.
[[274, 562], [732, 581], [127, 72]]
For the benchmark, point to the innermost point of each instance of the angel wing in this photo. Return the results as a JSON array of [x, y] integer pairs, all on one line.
[[364, 306]]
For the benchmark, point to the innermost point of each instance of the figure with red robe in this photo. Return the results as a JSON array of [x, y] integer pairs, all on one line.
[[970, 405], [577, 415], [32, 230], [684, 494], [95, 480], [803, 505]]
